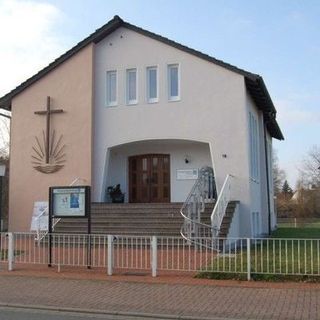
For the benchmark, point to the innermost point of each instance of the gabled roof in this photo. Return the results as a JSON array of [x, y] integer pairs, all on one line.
[[254, 82]]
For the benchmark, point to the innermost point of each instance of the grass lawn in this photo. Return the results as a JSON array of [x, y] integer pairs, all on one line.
[[300, 233], [274, 258]]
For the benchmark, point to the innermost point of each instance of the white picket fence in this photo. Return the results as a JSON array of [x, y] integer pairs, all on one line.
[[163, 254]]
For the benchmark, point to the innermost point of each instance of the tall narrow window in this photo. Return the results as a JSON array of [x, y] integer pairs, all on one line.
[[132, 86], [152, 84], [173, 82], [254, 148], [111, 88]]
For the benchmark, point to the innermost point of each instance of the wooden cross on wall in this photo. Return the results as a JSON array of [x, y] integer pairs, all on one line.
[[48, 113]]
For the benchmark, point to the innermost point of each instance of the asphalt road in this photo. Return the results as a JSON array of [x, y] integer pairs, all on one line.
[[10, 313], [33, 314]]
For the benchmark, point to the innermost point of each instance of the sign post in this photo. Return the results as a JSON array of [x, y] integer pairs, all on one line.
[[70, 202]]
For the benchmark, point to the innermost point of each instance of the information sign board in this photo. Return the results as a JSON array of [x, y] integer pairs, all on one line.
[[66, 202]]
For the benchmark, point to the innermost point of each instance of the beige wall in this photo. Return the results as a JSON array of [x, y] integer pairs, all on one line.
[[70, 88]]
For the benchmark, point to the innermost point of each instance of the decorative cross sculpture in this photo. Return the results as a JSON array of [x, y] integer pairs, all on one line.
[[48, 113]]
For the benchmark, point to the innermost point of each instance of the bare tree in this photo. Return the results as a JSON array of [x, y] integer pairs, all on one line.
[[310, 169], [4, 137], [279, 175], [4, 160], [307, 198]]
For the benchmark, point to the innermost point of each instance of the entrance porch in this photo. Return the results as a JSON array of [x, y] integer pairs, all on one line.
[[155, 171]]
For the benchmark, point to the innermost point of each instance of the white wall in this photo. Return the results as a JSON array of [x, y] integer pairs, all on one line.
[[199, 155], [235, 224], [258, 188], [212, 108]]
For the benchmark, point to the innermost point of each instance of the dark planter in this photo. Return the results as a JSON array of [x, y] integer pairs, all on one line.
[[118, 198]]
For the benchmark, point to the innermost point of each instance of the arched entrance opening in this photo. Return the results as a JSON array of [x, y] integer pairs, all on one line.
[[156, 171]]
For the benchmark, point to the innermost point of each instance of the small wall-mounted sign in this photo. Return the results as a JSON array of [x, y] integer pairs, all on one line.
[[2, 170], [187, 174]]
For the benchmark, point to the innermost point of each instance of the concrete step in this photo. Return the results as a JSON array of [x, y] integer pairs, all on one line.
[[143, 233], [125, 226], [227, 219], [132, 219], [121, 219]]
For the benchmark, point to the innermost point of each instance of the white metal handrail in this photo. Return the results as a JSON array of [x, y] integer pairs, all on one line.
[[41, 233], [220, 207], [202, 192]]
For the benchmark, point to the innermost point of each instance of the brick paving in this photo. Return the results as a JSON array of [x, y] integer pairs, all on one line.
[[173, 293], [167, 295]]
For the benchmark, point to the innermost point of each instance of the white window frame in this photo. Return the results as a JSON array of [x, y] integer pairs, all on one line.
[[178, 97], [156, 99], [133, 101], [110, 103], [254, 147]]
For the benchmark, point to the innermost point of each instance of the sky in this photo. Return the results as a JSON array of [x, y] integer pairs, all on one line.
[[277, 39]]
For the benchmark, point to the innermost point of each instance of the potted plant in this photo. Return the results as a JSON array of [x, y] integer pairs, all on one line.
[[115, 193]]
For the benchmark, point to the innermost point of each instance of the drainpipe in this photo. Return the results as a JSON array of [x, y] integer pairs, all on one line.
[[267, 174]]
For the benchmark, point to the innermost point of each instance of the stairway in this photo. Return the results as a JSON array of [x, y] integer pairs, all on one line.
[[227, 219], [143, 219]]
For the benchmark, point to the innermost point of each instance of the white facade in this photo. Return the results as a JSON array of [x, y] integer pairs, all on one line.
[[208, 120]]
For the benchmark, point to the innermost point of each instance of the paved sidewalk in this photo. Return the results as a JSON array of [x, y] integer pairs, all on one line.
[[144, 295]]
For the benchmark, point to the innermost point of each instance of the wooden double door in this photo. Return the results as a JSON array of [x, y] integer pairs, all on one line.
[[149, 178]]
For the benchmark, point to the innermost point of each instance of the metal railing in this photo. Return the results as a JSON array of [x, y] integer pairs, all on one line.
[[42, 233], [3, 247], [202, 192], [221, 205], [242, 256], [132, 252]]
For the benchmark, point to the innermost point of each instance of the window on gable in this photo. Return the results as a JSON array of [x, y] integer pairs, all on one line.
[[152, 84], [111, 88], [131, 86], [173, 82], [254, 148]]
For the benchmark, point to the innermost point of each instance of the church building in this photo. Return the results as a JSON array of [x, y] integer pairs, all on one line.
[[129, 107]]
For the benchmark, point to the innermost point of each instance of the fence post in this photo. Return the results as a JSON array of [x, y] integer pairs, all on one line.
[[110, 255], [248, 260], [10, 251], [154, 254]]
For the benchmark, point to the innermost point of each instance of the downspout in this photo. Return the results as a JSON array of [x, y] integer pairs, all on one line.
[[267, 174]]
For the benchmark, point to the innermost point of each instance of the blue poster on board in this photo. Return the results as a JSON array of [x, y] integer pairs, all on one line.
[[74, 201]]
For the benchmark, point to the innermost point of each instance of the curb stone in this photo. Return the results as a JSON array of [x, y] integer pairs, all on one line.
[[80, 311]]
